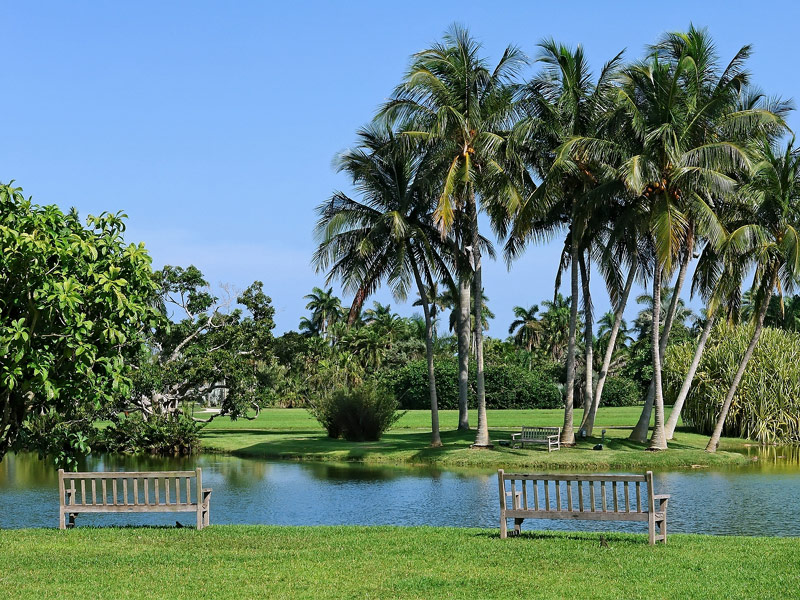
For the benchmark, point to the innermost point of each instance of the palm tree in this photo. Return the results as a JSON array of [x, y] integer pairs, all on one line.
[[561, 103], [681, 145], [526, 328], [388, 234], [451, 101], [325, 308], [771, 239], [643, 324], [555, 325]]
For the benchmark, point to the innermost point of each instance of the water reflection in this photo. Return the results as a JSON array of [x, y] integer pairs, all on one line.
[[759, 500]]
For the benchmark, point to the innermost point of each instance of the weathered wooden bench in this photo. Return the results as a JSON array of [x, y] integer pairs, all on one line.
[[133, 492], [549, 436], [545, 496]]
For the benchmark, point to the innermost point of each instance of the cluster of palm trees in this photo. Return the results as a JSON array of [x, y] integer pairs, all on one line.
[[652, 163]]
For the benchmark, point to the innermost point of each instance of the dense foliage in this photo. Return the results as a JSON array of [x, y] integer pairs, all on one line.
[[507, 386], [621, 391], [766, 407], [126, 434], [75, 304]]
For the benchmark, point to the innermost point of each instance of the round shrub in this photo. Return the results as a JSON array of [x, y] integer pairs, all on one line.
[[766, 407], [620, 391], [358, 415], [508, 386]]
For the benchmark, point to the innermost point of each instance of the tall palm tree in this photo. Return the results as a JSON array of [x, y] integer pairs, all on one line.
[[563, 102], [388, 234], [326, 309], [453, 102], [681, 146], [772, 240]]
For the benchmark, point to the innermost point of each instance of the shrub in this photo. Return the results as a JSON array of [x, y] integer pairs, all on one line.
[[359, 414], [165, 435], [507, 386], [766, 406], [620, 391]]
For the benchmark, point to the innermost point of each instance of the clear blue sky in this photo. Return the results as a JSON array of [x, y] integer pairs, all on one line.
[[213, 124]]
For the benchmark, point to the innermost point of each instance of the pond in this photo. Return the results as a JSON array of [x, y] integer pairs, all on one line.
[[759, 500]]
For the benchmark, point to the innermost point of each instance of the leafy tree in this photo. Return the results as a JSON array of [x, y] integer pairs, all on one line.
[[75, 302], [216, 346]]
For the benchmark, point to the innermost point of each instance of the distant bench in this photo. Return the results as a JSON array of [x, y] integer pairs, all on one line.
[[553, 497], [548, 436], [133, 492]]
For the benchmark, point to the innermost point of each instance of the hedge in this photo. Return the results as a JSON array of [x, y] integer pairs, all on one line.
[[507, 386]]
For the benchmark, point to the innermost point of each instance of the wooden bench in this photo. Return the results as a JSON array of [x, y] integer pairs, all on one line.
[[550, 436], [133, 492], [619, 498]]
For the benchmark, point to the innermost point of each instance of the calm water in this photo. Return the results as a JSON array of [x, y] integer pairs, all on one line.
[[761, 500]]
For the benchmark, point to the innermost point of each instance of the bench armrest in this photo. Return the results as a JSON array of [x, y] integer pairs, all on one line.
[[661, 497], [515, 435], [555, 436]]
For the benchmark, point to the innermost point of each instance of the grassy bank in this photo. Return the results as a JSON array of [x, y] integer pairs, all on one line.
[[385, 562], [294, 434]]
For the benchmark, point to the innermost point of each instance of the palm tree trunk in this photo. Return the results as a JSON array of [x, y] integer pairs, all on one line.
[[567, 431], [659, 440], [463, 352], [482, 437], [639, 432], [726, 405], [436, 439], [588, 339], [672, 422], [588, 422]]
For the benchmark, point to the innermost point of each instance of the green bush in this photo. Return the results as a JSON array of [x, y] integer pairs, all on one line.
[[507, 386], [766, 407], [167, 435], [358, 415], [620, 391]]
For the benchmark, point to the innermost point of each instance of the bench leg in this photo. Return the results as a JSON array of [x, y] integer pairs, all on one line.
[[651, 529], [662, 529], [518, 526], [503, 528], [62, 524]]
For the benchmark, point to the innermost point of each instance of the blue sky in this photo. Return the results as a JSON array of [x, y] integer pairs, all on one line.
[[213, 124]]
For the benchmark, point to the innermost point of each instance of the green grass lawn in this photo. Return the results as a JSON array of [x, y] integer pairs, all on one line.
[[294, 434], [387, 562]]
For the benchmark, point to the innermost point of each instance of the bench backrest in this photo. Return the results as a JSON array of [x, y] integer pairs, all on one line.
[[580, 493], [539, 433], [140, 488]]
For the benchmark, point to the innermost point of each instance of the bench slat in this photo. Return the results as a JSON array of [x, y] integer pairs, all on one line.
[[578, 516], [573, 477]]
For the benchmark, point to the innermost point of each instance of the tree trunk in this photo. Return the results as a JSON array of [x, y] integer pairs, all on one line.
[[588, 339], [726, 405], [588, 422], [639, 432], [659, 440], [672, 422], [436, 439], [463, 352], [482, 437], [567, 432]]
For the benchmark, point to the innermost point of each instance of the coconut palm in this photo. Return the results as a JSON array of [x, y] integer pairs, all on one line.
[[388, 234], [452, 102], [682, 144], [771, 239], [563, 102]]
